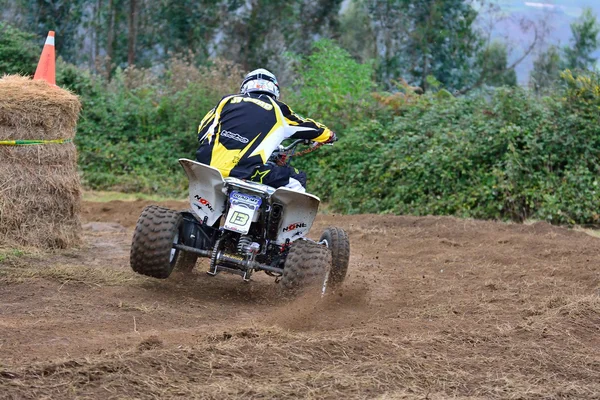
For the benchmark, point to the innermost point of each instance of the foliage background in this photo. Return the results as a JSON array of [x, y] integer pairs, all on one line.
[[422, 131]]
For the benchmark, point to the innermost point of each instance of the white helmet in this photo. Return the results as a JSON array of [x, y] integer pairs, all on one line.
[[260, 81]]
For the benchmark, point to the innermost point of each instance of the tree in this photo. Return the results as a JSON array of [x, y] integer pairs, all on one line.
[[331, 84], [182, 27], [63, 16], [546, 70], [261, 32], [356, 35], [443, 41], [415, 39], [132, 32], [493, 64], [391, 26], [110, 36], [585, 41]]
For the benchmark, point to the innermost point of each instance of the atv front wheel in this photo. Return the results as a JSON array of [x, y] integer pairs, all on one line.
[[338, 242], [152, 252], [306, 267]]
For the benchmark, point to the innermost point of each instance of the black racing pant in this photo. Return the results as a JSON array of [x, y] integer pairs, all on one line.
[[277, 176]]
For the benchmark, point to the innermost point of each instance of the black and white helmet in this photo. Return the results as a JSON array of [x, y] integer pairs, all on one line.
[[260, 81]]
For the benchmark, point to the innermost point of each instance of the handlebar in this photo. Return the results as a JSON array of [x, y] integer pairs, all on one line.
[[299, 141], [294, 144], [283, 154]]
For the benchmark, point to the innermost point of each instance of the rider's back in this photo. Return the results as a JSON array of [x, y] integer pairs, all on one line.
[[242, 133]]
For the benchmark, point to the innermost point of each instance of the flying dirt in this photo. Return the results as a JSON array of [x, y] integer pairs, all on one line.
[[432, 307]]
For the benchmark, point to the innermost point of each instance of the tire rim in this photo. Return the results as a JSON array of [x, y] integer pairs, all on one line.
[[173, 249]]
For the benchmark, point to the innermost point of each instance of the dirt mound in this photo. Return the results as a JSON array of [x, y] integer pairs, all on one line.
[[432, 308], [125, 213]]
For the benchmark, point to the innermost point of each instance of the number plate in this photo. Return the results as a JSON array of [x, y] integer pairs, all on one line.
[[241, 212]]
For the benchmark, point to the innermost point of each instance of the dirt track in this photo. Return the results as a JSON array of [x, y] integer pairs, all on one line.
[[433, 308]]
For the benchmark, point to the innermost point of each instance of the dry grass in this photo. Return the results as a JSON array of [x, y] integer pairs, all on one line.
[[107, 196], [41, 194], [592, 232], [9, 255], [222, 76], [270, 363], [28, 264], [31, 269], [52, 155], [564, 314], [511, 313]]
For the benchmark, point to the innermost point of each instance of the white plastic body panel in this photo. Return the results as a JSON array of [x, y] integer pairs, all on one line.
[[299, 212], [207, 199], [206, 190]]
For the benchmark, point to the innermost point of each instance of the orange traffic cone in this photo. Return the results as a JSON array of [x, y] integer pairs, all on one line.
[[46, 69]]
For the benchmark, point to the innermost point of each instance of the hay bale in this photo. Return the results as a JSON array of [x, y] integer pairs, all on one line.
[[30, 108], [40, 191], [51, 154]]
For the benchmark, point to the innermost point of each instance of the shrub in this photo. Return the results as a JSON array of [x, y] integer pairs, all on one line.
[[504, 155], [332, 87], [18, 51], [133, 130]]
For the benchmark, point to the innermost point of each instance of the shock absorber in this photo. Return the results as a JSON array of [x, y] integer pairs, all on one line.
[[244, 243], [247, 246]]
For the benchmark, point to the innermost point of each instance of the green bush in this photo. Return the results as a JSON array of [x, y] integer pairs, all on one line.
[[332, 87], [132, 131], [508, 156], [501, 154], [18, 52]]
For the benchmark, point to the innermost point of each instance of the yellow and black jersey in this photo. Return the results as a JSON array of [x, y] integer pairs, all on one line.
[[242, 131]]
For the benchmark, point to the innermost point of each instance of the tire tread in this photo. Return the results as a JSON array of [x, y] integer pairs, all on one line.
[[339, 244], [306, 266], [153, 240]]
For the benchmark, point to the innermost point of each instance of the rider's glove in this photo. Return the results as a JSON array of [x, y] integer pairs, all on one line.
[[332, 138]]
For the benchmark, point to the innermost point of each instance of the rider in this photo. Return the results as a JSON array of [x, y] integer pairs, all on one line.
[[238, 136]]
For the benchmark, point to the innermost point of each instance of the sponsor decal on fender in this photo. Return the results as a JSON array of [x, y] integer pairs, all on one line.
[[295, 226], [204, 202]]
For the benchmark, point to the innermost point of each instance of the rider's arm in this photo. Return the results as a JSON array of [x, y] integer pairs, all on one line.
[[204, 129], [205, 124], [305, 128]]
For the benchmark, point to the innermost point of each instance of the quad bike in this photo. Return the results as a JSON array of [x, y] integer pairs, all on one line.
[[242, 227]]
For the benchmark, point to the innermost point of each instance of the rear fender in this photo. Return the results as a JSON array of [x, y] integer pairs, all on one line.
[[207, 199], [299, 212]]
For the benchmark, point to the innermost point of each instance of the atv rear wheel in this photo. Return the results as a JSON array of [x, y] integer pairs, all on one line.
[[306, 267], [152, 251], [338, 242]]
